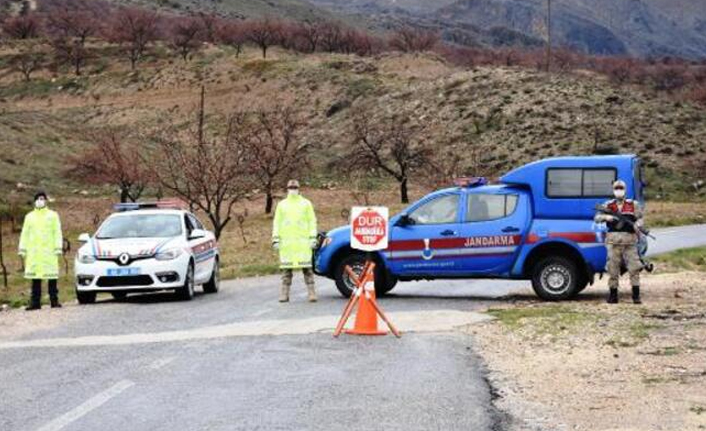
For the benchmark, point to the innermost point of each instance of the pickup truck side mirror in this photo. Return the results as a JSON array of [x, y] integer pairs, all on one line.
[[404, 220], [84, 237], [197, 234]]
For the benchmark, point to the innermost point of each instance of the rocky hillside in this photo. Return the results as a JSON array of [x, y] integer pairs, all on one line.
[[636, 27]]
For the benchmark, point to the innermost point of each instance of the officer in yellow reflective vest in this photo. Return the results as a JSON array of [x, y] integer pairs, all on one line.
[[294, 236], [41, 244]]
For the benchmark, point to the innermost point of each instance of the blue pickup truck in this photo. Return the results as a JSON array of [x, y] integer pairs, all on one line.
[[535, 224]]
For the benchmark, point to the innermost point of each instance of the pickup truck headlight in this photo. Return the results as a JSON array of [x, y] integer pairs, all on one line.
[[170, 254], [86, 258]]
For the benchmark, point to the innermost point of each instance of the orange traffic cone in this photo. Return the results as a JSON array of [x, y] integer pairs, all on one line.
[[366, 319]]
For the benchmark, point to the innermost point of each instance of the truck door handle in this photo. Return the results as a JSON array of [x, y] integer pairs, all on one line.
[[448, 232], [511, 229]]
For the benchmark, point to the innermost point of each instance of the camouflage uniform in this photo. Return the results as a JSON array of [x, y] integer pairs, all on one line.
[[621, 241]]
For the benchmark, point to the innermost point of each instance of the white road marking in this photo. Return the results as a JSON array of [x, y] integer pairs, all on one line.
[[261, 312], [159, 363], [91, 404], [409, 321]]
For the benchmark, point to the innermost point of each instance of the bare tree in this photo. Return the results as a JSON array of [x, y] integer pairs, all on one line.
[[209, 27], [22, 27], [210, 173], [310, 33], [134, 29], [275, 147], [113, 159], [391, 145], [233, 34], [549, 36], [28, 61], [3, 215], [72, 22], [185, 36], [70, 51], [408, 39], [331, 36], [263, 33]]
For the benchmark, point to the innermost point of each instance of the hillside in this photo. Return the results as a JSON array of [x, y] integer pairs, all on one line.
[[635, 27], [496, 118], [645, 28]]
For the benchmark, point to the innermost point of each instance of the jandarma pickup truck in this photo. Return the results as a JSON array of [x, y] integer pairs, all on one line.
[[535, 224]]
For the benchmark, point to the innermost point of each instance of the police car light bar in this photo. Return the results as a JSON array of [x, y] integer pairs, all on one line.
[[470, 182], [172, 204]]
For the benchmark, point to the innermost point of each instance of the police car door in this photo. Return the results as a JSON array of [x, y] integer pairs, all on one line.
[[421, 247], [196, 245], [492, 231]]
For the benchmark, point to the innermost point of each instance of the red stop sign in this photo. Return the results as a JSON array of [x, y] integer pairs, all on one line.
[[369, 228]]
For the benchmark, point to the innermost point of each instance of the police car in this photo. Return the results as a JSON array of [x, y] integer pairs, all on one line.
[[535, 224], [147, 247]]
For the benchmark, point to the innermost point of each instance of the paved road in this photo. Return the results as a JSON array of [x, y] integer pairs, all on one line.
[[231, 380], [238, 360]]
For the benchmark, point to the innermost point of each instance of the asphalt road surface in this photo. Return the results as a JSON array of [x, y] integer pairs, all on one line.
[[239, 360]]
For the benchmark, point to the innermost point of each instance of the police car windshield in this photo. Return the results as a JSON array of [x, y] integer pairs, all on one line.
[[141, 226]]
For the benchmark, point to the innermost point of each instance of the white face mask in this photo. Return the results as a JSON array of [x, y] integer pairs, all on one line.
[[619, 193], [40, 203], [293, 192]]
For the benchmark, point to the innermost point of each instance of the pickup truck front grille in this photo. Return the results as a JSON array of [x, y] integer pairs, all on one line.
[[127, 280]]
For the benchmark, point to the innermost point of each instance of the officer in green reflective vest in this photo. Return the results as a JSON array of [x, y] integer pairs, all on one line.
[[41, 244], [294, 236]]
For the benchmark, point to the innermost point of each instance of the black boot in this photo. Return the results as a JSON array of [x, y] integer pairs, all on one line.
[[35, 302], [636, 295], [54, 294], [613, 296]]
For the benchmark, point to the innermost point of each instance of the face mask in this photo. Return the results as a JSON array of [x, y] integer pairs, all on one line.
[[293, 192], [40, 203], [619, 193]]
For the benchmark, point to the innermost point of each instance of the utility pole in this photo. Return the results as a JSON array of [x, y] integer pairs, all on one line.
[[549, 35]]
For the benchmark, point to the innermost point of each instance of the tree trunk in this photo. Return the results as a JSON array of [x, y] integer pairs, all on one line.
[[124, 194], [269, 201], [403, 191], [2, 258], [264, 52]]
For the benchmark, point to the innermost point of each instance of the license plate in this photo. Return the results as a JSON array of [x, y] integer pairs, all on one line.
[[118, 272]]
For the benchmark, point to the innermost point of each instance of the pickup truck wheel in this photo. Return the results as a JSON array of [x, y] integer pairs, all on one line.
[[356, 261], [555, 278], [86, 297]]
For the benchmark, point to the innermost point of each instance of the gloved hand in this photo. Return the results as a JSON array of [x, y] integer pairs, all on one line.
[[275, 245], [313, 244]]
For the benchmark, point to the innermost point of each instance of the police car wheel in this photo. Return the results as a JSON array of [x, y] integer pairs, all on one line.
[[214, 283], [86, 297], [356, 261], [555, 278], [186, 292]]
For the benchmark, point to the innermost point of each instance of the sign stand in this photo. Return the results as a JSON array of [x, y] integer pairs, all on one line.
[[369, 228]]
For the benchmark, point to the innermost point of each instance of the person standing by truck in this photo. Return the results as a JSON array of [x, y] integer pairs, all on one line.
[[621, 240], [41, 244], [294, 236]]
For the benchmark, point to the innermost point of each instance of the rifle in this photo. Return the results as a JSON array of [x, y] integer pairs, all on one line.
[[622, 219]]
